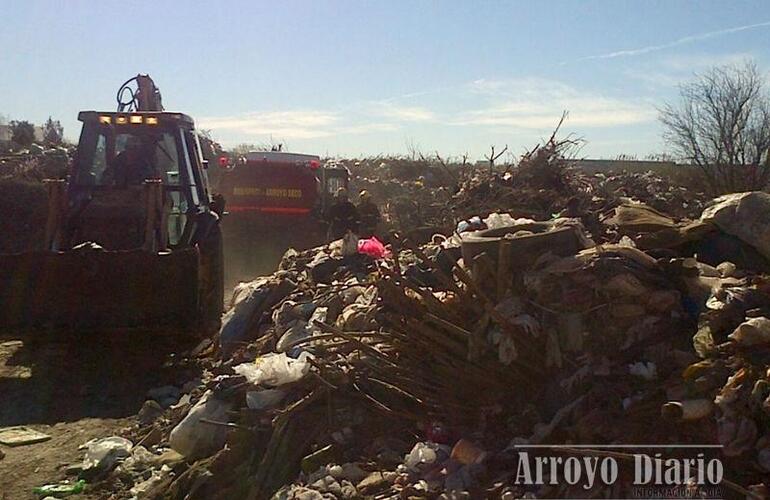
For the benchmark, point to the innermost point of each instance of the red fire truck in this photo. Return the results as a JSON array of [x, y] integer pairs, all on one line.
[[278, 185]]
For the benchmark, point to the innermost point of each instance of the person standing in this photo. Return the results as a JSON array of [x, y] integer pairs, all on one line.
[[368, 214], [342, 216]]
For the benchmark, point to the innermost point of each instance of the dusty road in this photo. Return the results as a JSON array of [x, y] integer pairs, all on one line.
[[75, 389], [254, 248]]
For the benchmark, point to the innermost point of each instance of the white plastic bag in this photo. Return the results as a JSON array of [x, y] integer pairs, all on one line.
[[497, 220], [425, 453], [103, 453], [275, 369], [195, 439]]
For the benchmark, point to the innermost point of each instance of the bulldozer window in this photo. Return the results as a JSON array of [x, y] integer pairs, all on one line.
[[100, 156], [109, 157], [153, 156], [196, 158]]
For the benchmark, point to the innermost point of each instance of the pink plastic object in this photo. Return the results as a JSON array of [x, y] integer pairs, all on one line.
[[373, 248]]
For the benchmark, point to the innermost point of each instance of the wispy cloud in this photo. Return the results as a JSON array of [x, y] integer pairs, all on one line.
[[391, 111], [537, 104], [528, 106], [295, 124], [675, 69], [299, 124], [681, 41], [367, 128]]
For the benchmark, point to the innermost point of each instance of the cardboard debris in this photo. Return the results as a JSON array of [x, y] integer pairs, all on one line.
[[21, 436]]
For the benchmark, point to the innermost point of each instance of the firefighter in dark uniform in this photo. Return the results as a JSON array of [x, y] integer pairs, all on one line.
[[368, 214], [342, 216]]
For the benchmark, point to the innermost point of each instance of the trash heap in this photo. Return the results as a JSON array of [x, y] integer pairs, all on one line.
[[567, 314], [539, 185], [35, 166], [419, 197], [651, 188], [412, 194]]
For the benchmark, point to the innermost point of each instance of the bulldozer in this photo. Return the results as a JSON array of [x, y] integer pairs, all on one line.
[[132, 237]]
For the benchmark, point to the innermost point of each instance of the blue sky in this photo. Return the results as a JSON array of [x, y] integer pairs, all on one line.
[[364, 78]]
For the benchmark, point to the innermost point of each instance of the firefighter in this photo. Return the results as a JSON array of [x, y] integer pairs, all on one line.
[[342, 216], [368, 214]]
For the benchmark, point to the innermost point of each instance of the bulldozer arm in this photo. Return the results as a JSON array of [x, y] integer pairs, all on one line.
[[92, 288]]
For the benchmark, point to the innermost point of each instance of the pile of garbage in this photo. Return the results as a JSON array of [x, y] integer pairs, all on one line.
[[421, 197], [359, 370], [413, 194], [539, 185], [545, 308], [35, 165], [652, 189]]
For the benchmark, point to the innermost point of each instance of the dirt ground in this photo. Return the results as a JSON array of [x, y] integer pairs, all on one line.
[[254, 247], [75, 389]]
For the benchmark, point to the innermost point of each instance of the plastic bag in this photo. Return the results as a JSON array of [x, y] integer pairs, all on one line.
[[275, 369], [102, 454], [373, 248], [144, 489], [473, 224], [349, 244], [195, 439], [424, 454], [248, 298], [295, 333], [264, 399]]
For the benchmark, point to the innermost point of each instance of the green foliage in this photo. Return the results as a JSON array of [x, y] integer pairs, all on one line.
[[22, 133]]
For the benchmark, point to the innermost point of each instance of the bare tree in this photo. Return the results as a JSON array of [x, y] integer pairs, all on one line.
[[414, 150], [445, 166], [721, 124], [492, 157]]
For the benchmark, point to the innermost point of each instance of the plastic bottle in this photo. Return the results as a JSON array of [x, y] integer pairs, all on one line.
[[60, 490]]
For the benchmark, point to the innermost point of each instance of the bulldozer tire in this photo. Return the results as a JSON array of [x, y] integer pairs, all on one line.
[[213, 272]]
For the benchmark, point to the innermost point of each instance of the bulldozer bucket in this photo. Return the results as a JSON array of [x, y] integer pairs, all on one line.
[[87, 289]]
